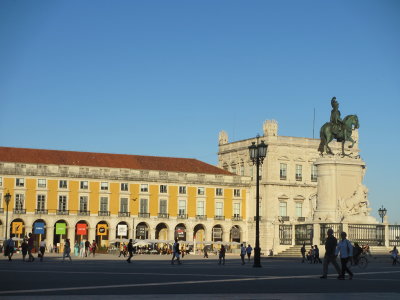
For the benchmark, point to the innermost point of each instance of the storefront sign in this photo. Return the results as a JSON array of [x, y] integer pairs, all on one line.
[[141, 231], [17, 227], [217, 234], [38, 228], [122, 230], [102, 229], [235, 232], [61, 228], [180, 233], [81, 229]]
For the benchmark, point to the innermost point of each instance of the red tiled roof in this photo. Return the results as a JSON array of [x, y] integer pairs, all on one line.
[[137, 162]]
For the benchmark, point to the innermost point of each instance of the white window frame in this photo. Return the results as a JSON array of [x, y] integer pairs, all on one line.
[[127, 204], [20, 182], [281, 207], [84, 186], [237, 212], [144, 188], [182, 190], [314, 173], [104, 186], [184, 209], [166, 206], [203, 207], [59, 203], [37, 202], [236, 193], [163, 189], [61, 186], [201, 191], [219, 192], [217, 208], [100, 204], [299, 206], [124, 184], [299, 172], [18, 197], [40, 185], [87, 203], [147, 205], [283, 171]]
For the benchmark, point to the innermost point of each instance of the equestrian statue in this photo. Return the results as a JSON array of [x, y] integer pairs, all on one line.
[[337, 129]]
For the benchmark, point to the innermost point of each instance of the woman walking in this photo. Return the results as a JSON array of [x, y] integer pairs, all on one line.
[[67, 250], [394, 253]]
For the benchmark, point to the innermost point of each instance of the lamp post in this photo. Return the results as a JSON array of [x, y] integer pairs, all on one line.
[[382, 212], [257, 154], [7, 198]]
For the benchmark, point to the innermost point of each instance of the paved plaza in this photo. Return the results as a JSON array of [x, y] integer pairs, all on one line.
[[154, 277]]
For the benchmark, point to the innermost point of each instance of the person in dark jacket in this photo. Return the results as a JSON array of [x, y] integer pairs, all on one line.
[[303, 252], [130, 250], [330, 257]]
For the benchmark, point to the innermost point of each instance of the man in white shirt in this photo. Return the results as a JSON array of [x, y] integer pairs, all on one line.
[[345, 248], [242, 253]]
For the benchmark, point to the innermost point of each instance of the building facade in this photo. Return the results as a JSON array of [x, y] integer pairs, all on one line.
[[288, 181], [106, 197]]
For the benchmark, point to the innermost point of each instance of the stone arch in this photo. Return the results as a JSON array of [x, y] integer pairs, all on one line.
[[180, 232], [81, 231], [102, 233], [122, 230], [199, 233], [142, 231], [161, 232], [235, 234], [217, 233], [40, 232]]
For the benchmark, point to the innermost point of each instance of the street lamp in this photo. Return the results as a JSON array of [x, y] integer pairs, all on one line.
[[7, 198], [257, 154], [382, 212]]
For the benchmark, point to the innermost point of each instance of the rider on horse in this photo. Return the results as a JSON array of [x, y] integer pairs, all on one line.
[[336, 121]]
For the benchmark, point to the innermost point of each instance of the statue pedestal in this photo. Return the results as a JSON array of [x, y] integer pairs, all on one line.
[[341, 196]]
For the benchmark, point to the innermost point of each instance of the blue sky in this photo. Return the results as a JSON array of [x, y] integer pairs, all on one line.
[[164, 77]]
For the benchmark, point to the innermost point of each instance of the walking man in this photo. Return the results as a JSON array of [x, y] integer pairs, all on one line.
[[345, 248], [330, 256], [42, 249], [67, 250], [303, 252], [87, 246], [248, 251], [130, 250], [30, 247], [222, 255], [9, 248], [242, 253], [175, 252], [205, 252]]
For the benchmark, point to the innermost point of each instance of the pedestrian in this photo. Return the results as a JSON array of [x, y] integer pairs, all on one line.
[[205, 249], [242, 253], [303, 252], [175, 252], [183, 252], [82, 248], [130, 251], [248, 251], [9, 248], [31, 241], [67, 250], [122, 249], [76, 248], [87, 246], [345, 248], [42, 249], [222, 255], [394, 254], [24, 249], [316, 255], [94, 248], [330, 256]]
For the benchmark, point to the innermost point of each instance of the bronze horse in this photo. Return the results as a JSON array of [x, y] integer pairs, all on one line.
[[343, 135]]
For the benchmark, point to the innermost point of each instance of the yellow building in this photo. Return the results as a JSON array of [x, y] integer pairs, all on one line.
[[106, 197]]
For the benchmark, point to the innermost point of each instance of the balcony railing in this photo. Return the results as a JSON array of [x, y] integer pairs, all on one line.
[[62, 212], [201, 217], [182, 216], [301, 219], [283, 218], [163, 215], [259, 218], [144, 215], [19, 211], [237, 218], [124, 214], [104, 213], [41, 211], [83, 213], [219, 218]]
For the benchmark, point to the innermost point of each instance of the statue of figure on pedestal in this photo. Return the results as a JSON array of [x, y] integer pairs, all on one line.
[[337, 129], [357, 204]]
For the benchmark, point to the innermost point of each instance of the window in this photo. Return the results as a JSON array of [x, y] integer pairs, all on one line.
[[200, 191], [144, 188], [41, 202], [103, 204], [299, 209], [200, 208], [299, 172], [236, 209], [218, 209], [182, 190], [163, 188], [182, 207], [242, 168], [1, 181], [84, 185], [283, 171], [41, 183], [124, 186], [62, 203], [63, 184], [282, 209], [104, 186], [163, 206], [83, 203], [219, 192], [143, 206], [236, 192], [314, 173], [124, 205], [19, 201], [233, 169], [20, 182]]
